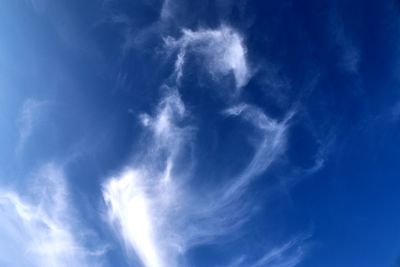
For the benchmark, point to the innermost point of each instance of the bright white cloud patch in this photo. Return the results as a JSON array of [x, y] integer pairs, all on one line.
[[151, 203], [141, 201], [222, 50], [130, 208], [39, 231]]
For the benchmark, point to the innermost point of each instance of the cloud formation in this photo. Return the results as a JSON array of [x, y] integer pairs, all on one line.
[[271, 143], [289, 254], [40, 230], [25, 122], [222, 50], [151, 203]]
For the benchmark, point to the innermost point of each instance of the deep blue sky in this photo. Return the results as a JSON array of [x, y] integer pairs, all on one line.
[[213, 133]]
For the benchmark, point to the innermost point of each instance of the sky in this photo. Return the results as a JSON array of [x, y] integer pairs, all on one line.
[[212, 133]]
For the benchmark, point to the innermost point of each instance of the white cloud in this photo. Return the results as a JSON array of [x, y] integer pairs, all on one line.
[[151, 203], [268, 149], [289, 254], [26, 119], [39, 231], [167, 9], [129, 207], [141, 200], [222, 49]]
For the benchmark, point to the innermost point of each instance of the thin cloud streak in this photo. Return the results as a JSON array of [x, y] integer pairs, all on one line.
[[289, 254], [26, 121], [350, 57], [142, 200]]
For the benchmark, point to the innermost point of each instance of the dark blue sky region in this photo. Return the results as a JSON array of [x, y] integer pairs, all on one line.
[[214, 133]]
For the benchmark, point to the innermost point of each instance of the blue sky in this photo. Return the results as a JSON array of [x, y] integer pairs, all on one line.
[[216, 133]]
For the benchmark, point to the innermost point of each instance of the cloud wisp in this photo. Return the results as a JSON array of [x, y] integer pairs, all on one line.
[[269, 148], [350, 57], [289, 254], [142, 199], [26, 120], [40, 230], [151, 203], [222, 50]]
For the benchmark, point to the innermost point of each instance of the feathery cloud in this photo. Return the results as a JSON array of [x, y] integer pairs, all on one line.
[[151, 203], [40, 231], [270, 147], [289, 254], [26, 119], [142, 200], [223, 50], [350, 53]]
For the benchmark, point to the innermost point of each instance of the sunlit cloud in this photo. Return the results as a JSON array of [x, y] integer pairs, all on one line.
[[129, 207], [141, 201], [39, 229], [222, 50], [151, 204]]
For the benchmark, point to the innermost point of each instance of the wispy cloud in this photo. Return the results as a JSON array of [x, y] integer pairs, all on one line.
[[141, 200], [130, 208], [350, 53], [289, 254], [40, 230], [222, 50], [151, 203], [269, 148], [167, 9], [27, 117]]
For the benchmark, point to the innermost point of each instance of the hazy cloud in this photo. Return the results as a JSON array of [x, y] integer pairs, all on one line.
[[350, 53], [223, 51], [272, 141], [289, 254], [151, 203], [27, 117], [40, 230]]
